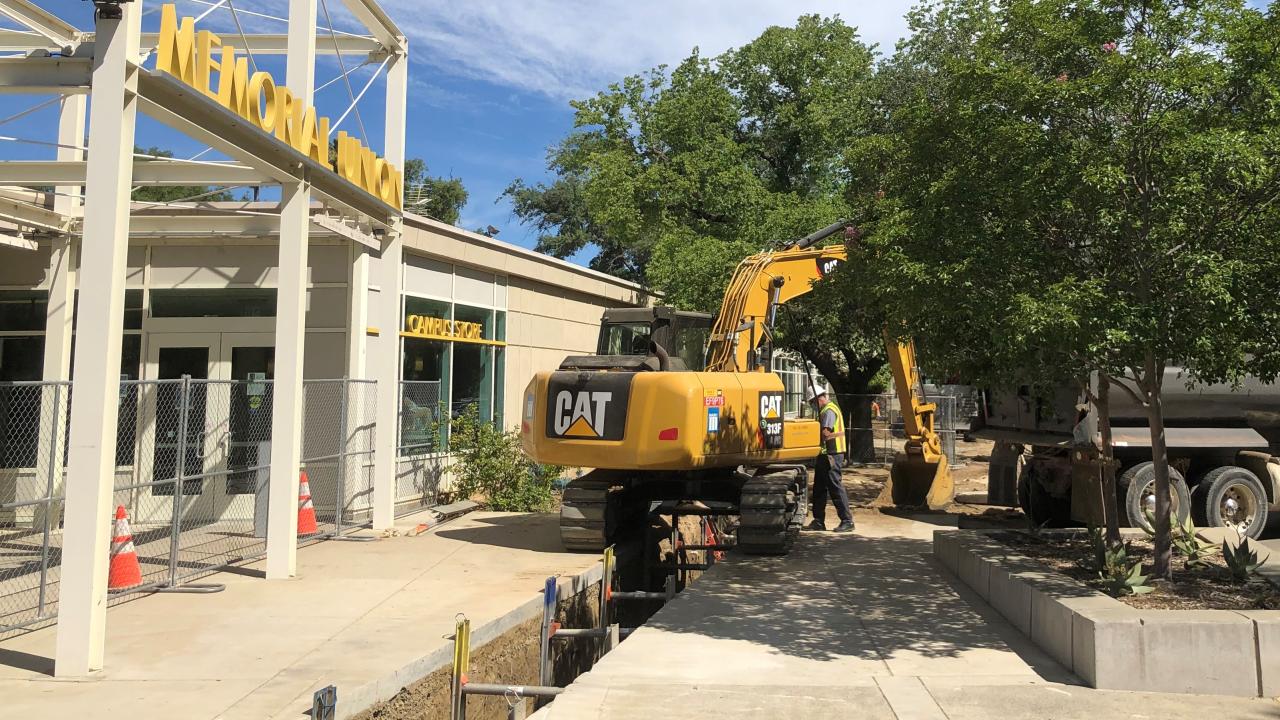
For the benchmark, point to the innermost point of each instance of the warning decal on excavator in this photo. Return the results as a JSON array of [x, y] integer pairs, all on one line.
[[588, 406], [771, 420]]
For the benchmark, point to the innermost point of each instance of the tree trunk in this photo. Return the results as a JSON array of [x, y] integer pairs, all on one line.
[[849, 387], [861, 436], [1110, 511], [1160, 460]]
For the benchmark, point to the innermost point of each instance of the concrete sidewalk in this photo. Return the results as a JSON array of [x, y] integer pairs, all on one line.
[[357, 613], [866, 626]]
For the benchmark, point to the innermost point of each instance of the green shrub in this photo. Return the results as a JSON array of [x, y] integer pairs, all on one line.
[[489, 461]]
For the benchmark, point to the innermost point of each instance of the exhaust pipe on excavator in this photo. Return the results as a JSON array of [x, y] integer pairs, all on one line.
[[664, 359]]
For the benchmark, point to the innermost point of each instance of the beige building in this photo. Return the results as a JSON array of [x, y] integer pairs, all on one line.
[[481, 316]]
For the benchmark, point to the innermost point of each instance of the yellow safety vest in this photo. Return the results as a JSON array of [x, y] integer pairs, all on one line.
[[839, 439]]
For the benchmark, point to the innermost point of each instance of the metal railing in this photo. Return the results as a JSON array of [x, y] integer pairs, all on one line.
[[192, 473]]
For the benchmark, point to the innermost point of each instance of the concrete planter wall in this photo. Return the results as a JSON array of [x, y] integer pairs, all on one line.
[[1109, 644]]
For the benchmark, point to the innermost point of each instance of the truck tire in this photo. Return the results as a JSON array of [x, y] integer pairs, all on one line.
[[1136, 490], [1231, 497], [1041, 508]]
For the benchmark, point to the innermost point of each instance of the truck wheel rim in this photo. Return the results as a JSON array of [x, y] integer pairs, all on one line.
[[1149, 500], [1238, 507]]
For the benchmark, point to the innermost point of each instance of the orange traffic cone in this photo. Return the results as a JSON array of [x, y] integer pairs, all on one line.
[[124, 571], [306, 511]]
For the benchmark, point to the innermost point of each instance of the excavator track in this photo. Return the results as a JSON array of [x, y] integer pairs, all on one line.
[[771, 510], [588, 514]]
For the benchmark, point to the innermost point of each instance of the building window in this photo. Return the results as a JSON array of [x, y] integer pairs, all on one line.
[[452, 359], [219, 302], [21, 359], [23, 315]]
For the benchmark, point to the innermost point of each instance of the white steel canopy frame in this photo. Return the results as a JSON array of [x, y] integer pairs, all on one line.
[[91, 208]]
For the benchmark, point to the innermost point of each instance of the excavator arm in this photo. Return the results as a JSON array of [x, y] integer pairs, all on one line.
[[758, 287], [763, 282], [920, 474]]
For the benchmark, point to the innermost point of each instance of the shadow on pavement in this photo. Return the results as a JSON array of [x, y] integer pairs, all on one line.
[[871, 598], [26, 661], [535, 532]]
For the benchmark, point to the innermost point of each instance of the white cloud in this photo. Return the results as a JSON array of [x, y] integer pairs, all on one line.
[[569, 49]]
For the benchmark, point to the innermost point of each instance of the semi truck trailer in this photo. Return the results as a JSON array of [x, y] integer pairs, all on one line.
[[1223, 440]]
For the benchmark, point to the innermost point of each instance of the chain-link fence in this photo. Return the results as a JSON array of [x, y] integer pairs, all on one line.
[[195, 481], [874, 427], [33, 422], [337, 452], [192, 474], [422, 439]]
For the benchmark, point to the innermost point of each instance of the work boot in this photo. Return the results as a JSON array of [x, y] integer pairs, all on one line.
[[816, 526], [844, 527]]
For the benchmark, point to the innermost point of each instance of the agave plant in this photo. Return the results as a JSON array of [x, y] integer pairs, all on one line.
[[1098, 543], [1122, 575], [1242, 560], [1191, 547]]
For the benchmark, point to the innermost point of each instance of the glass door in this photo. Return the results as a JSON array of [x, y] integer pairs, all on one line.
[[248, 362], [175, 428]]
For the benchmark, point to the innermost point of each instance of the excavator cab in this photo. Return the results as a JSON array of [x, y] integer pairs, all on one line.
[[627, 336]]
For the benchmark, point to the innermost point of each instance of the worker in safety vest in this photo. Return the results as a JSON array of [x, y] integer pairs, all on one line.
[[826, 475]]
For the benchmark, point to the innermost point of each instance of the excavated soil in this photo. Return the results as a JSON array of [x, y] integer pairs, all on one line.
[[1192, 588]]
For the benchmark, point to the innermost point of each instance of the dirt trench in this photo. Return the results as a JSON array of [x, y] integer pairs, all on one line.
[[510, 658]]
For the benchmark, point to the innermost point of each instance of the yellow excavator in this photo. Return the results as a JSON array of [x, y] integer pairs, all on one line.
[[669, 423]]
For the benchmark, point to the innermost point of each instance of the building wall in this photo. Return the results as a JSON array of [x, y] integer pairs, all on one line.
[[553, 307], [547, 324], [194, 265]]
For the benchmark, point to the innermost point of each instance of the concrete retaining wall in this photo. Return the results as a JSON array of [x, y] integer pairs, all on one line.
[[1109, 644]]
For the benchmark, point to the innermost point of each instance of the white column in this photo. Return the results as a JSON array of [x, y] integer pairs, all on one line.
[[57, 325], [82, 621], [389, 271], [291, 308], [286, 402], [66, 201], [358, 315]]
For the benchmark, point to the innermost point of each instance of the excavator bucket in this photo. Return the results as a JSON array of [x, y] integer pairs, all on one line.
[[915, 481]]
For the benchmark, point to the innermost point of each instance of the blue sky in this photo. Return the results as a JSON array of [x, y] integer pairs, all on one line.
[[491, 80]]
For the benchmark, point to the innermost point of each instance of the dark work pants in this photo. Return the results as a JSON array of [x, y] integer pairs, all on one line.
[[826, 481]]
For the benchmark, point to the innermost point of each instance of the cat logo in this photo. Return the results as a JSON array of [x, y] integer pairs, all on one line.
[[771, 420], [581, 414], [827, 265]]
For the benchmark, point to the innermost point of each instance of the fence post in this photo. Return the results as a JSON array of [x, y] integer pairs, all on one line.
[[180, 474], [343, 457], [48, 498]]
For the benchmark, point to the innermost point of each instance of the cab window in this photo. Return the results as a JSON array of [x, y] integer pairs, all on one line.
[[624, 339]]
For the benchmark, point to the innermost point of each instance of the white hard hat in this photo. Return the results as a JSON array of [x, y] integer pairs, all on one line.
[[815, 391]]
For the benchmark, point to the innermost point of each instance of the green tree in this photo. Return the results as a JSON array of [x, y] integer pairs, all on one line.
[[1081, 187], [171, 193], [436, 197], [673, 176]]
